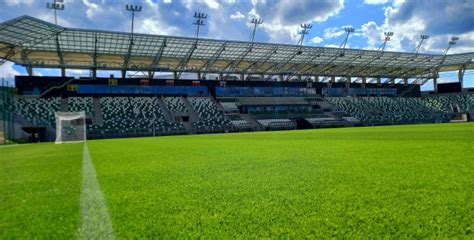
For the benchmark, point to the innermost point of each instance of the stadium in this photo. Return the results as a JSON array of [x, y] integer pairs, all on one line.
[[195, 137]]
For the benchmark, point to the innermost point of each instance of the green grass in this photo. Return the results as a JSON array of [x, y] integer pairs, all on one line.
[[399, 181], [40, 187]]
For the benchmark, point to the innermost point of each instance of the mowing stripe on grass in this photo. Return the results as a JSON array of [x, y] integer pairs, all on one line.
[[13, 145], [95, 218]]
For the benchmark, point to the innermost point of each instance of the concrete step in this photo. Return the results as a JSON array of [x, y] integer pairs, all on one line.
[[257, 126], [194, 117], [165, 110], [64, 104], [98, 119]]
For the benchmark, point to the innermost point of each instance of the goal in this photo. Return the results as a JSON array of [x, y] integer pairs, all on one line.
[[70, 127]]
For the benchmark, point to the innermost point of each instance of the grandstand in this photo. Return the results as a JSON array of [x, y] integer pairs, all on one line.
[[259, 87], [143, 136]]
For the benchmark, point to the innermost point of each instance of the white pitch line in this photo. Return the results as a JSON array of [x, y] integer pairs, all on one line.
[[95, 217]]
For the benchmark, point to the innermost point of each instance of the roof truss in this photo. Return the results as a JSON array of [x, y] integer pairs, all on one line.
[[37, 43]]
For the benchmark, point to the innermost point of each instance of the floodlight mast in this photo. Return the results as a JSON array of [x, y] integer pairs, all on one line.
[[328, 66], [56, 5], [348, 30], [437, 68], [304, 31], [386, 39], [451, 43], [133, 9], [381, 49], [255, 22], [200, 17], [423, 38], [199, 21]]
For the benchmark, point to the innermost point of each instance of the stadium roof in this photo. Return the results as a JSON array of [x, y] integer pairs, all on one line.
[[35, 43]]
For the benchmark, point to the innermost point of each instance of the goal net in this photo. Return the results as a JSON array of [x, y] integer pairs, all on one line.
[[70, 127]]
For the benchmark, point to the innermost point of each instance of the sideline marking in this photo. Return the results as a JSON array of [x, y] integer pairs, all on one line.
[[95, 217]]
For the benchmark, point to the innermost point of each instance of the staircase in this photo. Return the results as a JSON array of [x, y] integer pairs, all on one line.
[[64, 104], [165, 110], [343, 121], [59, 86], [218, 105], [98, 119], [192, 113], [256, 125]]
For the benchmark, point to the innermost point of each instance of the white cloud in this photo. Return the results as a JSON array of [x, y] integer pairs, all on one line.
[[237, 16], [281, 33], [290, 12], [93, 9], [167, 1], [211, 4], [282, 17], [152, 26], [8, 72], [316, 40], [334, 45], [19, 2], [333, 32], [438, 18], [373, 33]]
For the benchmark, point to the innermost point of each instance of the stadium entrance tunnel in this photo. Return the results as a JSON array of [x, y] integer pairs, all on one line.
[[302, 123], [37, 134]]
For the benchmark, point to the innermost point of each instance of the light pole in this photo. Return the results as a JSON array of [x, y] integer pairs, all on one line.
[[423, 38], [199, 22], [452, 42], [133, 9], [304, 31], [56, 5], [348, 30], [386, 39], [255, 22]]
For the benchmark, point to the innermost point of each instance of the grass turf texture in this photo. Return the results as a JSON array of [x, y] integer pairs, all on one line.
[[398, 181]]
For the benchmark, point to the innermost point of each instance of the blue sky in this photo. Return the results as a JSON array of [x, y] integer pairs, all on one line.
[[229, 19]]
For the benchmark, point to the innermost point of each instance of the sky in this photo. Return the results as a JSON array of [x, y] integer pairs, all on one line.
[[230, 19]]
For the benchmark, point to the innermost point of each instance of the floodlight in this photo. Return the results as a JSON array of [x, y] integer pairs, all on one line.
[[255, 22], [56, 5], [349, 29], [304, 31], [133, 9], [199, 16]]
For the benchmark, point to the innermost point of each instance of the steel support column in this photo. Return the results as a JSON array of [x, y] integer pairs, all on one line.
[[461, 77]]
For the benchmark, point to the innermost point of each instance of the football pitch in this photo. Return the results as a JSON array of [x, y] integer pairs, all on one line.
[[412, 181]]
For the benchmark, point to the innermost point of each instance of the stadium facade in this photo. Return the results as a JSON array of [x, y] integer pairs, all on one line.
[[239, 86]]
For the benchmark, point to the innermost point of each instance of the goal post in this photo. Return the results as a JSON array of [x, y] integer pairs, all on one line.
[[70, 127]]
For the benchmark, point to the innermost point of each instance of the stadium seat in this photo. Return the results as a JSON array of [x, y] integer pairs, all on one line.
[[211, 119]]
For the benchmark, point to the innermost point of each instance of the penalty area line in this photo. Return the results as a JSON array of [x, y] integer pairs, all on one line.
[[95, 217]]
